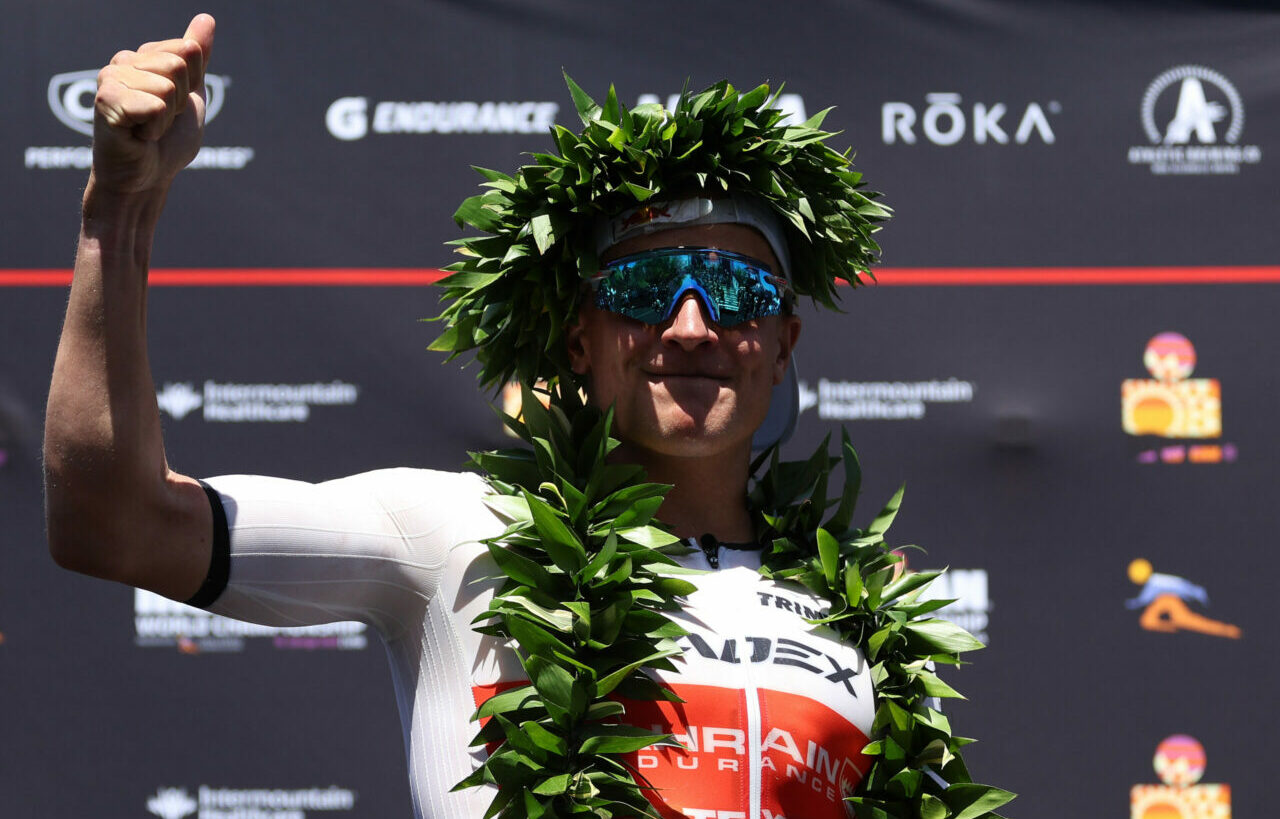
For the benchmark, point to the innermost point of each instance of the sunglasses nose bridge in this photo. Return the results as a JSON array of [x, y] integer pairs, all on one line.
[[689, 286]]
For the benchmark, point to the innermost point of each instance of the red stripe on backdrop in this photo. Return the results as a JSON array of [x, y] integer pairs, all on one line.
[[886, 277]]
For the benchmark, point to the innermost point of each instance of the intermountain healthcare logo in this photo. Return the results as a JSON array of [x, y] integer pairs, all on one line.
[[162, 623], [1193, 117], [1164, 602], [1170, 404], [1179, 762], [249, 803], [881, 400], [241, 403], [70, 97]]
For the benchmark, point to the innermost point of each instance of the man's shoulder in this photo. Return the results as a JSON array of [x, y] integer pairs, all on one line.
[[398, 486]]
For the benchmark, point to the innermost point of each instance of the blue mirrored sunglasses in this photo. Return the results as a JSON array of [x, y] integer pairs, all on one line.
[[648, 286]]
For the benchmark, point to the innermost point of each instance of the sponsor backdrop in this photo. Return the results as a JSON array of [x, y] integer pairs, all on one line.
[[1068, 359]]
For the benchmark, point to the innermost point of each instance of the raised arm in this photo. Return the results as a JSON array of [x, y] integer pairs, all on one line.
[[114, 508]]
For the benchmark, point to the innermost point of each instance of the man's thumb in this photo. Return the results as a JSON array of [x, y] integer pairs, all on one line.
[[201, 31]]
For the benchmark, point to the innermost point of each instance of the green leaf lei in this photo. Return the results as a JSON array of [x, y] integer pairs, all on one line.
[[588, 577]]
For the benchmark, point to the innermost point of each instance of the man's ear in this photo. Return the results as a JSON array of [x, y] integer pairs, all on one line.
[[579, 358], [788, 335]]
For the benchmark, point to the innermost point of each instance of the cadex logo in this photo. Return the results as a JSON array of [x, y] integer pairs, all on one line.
[[1180, 763], [70, 96], [1193, 119], [1165, 601], [1171, 404]]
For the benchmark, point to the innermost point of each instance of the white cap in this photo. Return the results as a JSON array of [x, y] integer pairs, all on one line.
[[734, 209]]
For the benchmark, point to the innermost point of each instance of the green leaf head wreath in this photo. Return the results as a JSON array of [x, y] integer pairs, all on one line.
[[519, 281]]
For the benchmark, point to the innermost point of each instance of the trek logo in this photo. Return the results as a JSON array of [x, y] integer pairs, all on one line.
[[70, 97], [1193, 118], [172, 803], [944, 122], [881, 400], [1165, 602], [242, 403], [349, 118], [1171, 404], [777, 651], [1180, 763]]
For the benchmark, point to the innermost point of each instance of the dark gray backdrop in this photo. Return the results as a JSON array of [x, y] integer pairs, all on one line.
[[1031, 485]]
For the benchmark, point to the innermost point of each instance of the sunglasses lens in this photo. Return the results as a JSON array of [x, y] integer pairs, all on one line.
[[648, 286]]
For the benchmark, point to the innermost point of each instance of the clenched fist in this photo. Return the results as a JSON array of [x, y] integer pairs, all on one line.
[[149, 112]]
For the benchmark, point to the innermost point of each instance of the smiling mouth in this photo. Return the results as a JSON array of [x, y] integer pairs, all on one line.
[[682, 375]]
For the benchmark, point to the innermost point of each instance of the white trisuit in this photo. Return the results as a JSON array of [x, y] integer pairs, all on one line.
[[775, 713]]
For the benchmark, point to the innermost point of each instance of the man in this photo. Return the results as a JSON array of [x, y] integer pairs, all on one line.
[[683, 330]]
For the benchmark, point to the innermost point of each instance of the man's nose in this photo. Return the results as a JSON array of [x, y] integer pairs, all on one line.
[[690, 324]]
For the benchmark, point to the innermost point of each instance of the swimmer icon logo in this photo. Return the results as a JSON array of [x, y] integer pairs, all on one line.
[[1164, 602]]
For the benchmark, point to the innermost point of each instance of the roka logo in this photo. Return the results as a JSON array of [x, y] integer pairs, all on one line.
[[71, 98], [944, 122], [172, 803]]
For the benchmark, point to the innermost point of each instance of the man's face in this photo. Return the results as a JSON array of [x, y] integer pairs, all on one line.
[[686, 387]]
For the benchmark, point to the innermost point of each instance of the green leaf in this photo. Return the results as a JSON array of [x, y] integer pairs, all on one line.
[[587, 108], [931, 807], [618, 739], [940, 635], [972, 801], [829, 554], [890, 511], [558, 539], [648, 536], [534, 639], [522, 569]]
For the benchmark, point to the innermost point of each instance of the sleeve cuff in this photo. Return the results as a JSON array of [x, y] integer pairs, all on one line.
[[220, 555]]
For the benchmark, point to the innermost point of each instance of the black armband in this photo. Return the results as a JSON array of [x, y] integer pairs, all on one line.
[[220, 555]]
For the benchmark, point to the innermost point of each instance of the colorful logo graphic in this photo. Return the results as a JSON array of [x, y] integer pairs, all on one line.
[[1180, 762], [1165, 600], [1171, 404]]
